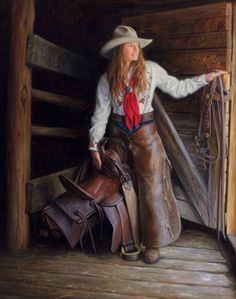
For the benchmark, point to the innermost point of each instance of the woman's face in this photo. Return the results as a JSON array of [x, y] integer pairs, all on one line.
[[131, 51]]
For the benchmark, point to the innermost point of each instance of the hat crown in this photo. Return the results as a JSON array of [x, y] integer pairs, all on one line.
[[122, 35], [124, 31]]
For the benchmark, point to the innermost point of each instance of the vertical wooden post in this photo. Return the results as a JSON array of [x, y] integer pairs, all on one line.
[[231, 191], [19, 124]]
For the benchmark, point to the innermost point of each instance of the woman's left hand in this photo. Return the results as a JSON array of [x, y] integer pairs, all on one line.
[[211, 76]]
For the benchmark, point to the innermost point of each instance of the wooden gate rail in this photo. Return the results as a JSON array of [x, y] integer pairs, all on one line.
[[60, 100], [58, 132], [184, 166], [48, 56]]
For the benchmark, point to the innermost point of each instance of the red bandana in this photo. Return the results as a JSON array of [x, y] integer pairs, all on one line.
[[131, 108]]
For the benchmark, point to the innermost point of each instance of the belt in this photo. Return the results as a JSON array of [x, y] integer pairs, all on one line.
[[143, 117]]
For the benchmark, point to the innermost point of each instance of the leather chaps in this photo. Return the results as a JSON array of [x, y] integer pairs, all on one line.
[[158, 211]]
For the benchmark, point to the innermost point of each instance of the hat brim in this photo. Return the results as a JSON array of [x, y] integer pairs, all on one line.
[[111, 44]]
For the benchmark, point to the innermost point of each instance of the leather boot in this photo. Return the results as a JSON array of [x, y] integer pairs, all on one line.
[[151, 255]]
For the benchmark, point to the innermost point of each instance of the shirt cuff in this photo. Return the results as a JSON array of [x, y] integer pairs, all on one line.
[[200, 81], [93, 146]]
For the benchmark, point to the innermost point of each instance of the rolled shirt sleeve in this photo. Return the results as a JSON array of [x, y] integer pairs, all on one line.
[[101, 113], [175, 87]]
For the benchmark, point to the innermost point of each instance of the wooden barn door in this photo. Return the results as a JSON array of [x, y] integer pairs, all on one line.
[[188, 42]]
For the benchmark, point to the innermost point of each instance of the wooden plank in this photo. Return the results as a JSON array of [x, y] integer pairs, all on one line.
[[104, 280], [231, 188], [19, 124], [192, 254], [41, 191], [200, 19], [193, 41], [192, 62], [55, 285], [190, 24], [72, 258], [184, 167], [192, 238], [186, 211], [190, 104], [60, 100], [202, 12], [48, 56], [148, 274], [58, 132]]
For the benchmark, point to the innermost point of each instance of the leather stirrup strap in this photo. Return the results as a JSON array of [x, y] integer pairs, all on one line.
[[129, 250], [131, 203]]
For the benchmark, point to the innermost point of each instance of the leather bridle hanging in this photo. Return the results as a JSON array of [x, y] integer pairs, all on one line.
[[212, 123]]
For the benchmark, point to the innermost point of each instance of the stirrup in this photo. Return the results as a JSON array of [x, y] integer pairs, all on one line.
[[131, 255]]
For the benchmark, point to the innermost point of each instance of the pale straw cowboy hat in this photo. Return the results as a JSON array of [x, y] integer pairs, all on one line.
[[122, 35]]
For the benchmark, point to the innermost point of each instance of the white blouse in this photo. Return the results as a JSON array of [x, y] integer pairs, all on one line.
[[156, 77]]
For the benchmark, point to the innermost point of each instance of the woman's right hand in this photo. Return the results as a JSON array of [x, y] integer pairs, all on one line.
[[97, 162], [211, 76]]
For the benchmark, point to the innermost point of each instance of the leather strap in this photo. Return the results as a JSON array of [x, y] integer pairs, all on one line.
[[131, 202], [212, 109], [213, 118]]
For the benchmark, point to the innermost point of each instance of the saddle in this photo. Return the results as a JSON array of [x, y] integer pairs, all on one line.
[[86, 204]]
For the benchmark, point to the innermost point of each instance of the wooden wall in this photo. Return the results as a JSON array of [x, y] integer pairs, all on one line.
[[231, 191], [187, 42]]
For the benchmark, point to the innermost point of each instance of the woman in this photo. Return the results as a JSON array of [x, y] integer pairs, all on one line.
[[124, 98]]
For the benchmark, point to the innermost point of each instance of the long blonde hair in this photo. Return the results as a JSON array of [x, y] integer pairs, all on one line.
[[117, 72]]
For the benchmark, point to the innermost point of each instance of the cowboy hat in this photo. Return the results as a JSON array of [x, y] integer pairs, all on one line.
[[122, 35]]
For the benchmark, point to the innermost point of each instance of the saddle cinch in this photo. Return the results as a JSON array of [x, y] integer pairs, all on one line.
[[86, 204]]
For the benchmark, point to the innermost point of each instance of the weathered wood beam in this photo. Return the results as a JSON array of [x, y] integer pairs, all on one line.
[[19, 124], [184, 166], [41, 191], [60, 100], [58, 132], [193, 62], [193, 19], [191, 41], [231, 188], [151, 4], [48, 56]]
